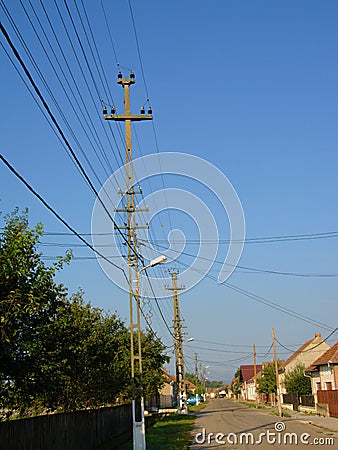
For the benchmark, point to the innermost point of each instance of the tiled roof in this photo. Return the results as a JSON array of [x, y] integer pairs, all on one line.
[[316, 340], [247, 372], [189, 384], [331, 355]]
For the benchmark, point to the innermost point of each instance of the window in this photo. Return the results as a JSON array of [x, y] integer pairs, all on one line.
[[318, 386], [328, 386]]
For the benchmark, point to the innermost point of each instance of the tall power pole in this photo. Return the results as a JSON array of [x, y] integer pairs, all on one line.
[[255, 374], [178, 341], [196, 376], [130, 228], [277, 374]]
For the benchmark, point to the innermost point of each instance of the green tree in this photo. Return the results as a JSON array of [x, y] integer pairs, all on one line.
[[56, 352], [213, 384], [192, 378], [83, 357], [266, 384], [153, 360], [29, 299], [236, 383], [295, 381]]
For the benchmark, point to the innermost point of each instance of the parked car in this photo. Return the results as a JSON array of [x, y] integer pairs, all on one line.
[[192, 400]]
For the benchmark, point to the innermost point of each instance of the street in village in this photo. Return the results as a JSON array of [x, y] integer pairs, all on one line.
[[228, 424]]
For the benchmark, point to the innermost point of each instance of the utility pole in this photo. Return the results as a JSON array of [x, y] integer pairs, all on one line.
[[196, 374], [139, 442], [178, 342], [277, 374], [255, 375]]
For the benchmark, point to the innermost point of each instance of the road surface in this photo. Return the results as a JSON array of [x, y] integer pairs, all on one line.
[[227, 424]]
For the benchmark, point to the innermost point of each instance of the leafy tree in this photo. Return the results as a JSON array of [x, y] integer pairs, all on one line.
[[236, 383], [266, 384], [213, 384], [153, 360], [58, 352], [84, 361], [192, 378], [295, 381], [29, 299]]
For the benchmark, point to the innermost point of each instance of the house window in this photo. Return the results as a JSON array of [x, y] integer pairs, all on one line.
[[318, 386], [328, 386]]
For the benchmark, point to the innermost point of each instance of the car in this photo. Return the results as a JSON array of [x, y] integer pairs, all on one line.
[[192, 399]]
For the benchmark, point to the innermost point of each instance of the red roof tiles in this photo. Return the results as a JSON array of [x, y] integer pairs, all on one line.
[[330, 356], [247, 371]]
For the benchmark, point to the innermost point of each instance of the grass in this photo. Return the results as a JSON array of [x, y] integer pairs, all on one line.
[[252, 405], [171, 432], [197, 408]]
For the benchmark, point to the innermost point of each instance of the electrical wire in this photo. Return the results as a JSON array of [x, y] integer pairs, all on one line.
[[70, 228]]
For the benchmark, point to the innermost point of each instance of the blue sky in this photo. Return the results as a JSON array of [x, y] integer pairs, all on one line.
[[249, 86]]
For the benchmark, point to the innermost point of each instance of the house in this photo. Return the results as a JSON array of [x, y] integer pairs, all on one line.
[[324, 382], [247, 372], [166, 397], [324, 371], [305, 355]]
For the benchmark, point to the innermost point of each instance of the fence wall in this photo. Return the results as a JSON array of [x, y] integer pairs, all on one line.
[[83, 430], [331, 399]]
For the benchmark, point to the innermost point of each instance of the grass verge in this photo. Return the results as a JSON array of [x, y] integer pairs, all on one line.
[[171, 432]]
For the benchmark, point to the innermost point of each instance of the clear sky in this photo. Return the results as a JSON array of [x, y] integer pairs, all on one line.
[[250, 87]]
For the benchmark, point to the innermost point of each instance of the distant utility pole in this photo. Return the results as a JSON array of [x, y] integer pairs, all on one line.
[[131, 227], [196, 375], [255, 375], [277, 374], [178, 341]]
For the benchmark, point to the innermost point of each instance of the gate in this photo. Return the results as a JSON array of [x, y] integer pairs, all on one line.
[[293, 399]]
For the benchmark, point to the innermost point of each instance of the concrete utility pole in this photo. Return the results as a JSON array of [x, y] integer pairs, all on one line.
[[178, 342], [131, 227], [255, 375], [196, 375], [277, 374]]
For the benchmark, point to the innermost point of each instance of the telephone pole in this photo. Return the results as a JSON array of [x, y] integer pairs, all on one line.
[[255, 374], [139, 442], [196, 375], [277, 374], [178, 342]]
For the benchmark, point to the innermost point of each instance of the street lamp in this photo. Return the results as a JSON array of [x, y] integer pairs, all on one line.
[[139, 429]]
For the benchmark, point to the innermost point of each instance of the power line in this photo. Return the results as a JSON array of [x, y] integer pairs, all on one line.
[[253, 269], [269, 303], [311, 348], [327, 234], [31, 189], [52, 117]]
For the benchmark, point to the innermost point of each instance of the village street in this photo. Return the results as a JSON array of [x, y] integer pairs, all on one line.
[[225, 423]]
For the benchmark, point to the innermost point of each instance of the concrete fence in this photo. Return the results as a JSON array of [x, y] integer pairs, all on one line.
[[80, 430]]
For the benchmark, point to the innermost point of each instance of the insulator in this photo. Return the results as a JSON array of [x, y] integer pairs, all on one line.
[[119, 75], [104, 109], [150, 111], [132, 75], [143, 110], [112, 109]]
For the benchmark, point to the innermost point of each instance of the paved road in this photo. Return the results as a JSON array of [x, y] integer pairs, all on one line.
[[227, 424]]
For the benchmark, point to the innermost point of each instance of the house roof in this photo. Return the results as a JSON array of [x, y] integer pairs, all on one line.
[[315, 341], [247, 371], [168, 376], [189, 384], [330, 356]]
